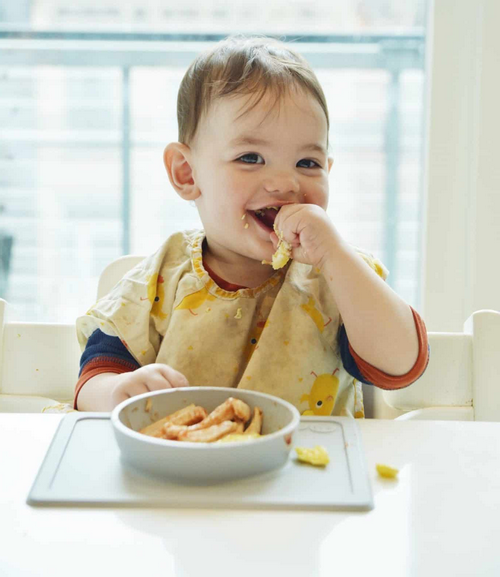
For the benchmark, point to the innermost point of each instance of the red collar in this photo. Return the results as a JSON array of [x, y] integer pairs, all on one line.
[[227, 286]]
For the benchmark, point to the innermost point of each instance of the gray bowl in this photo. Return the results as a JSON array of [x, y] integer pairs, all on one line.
[[203, 463]]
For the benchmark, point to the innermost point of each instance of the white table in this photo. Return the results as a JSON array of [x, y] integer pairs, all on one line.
[[442, 517]]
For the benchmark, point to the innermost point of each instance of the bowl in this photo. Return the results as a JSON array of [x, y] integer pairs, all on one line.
[[203, 463]]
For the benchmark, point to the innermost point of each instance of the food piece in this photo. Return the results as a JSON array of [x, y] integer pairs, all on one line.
[[242, 412], [283, 253], [255, 426], [191, 417], [155, 428], [172, 431], [229, 418], [240, 427], [238, 438], [210, 434], [224, 412], [386, 471], [317, 456]]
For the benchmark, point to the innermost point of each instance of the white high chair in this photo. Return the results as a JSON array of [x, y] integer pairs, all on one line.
[[461, 381], [39, 365], [39, 362], [115, 271]]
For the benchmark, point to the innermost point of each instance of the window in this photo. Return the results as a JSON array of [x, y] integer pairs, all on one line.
[[88, 102]]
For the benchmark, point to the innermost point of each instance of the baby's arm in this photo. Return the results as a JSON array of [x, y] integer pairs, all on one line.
[[110, 374], [106, 390], [379, 324]]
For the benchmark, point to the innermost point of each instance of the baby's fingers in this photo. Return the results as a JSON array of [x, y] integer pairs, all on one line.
[[174, 378], [128, 387]]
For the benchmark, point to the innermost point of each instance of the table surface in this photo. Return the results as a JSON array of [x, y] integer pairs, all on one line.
[[441, 517]]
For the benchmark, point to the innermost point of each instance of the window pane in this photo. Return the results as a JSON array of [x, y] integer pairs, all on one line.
[[83, 131]]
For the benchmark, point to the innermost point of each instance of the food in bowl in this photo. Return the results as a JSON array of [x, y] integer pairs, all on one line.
[[202, 463], [194, 424]]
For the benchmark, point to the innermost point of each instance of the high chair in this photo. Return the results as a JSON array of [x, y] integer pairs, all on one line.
[[39, 364], [461, 381], [115, 271]]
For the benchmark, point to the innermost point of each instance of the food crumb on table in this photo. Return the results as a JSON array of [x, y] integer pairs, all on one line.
[[386, 471], [317, 456]]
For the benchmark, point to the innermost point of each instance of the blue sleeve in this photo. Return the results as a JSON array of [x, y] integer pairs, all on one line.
[[347, 359], [102, 345]]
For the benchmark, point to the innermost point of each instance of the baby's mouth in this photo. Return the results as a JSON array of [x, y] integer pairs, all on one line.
[[266, 215]]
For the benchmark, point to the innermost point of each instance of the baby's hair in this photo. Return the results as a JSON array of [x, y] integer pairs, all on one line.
[[241, 65]]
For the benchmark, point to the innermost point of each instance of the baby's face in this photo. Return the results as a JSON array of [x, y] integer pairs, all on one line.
[[243, 164]]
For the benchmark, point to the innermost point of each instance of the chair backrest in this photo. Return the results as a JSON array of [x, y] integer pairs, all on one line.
[[38, 358], [462, 372], [115, 271], [42, 359]]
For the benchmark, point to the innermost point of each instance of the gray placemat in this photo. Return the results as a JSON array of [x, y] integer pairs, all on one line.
[[82, 467]]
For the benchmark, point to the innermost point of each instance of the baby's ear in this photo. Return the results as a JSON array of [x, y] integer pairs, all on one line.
[[177, 160]]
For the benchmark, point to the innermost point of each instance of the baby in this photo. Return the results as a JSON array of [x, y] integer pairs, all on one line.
[[208, 308]]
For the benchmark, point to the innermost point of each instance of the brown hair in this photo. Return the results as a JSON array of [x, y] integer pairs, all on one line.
[[242, 65]]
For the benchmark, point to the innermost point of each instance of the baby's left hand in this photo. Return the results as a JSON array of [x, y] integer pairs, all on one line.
[[309, 231]]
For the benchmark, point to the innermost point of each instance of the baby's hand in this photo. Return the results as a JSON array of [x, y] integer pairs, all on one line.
[[153, 377], [309, 231]]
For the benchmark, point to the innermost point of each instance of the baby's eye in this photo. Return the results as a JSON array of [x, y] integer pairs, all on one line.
[[308, 163], [251, 158]]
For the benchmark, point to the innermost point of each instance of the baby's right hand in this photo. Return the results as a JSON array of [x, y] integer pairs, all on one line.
[[153, 377]]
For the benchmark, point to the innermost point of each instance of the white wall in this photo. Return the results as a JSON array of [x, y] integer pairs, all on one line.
[[461, 261], [461, 253]]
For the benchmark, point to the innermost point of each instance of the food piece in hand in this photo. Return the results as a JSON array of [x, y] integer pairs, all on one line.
[[156, 428], [386, 471], [317, 456], [255, 426], [242, 411], [208, 435], [283, 253]]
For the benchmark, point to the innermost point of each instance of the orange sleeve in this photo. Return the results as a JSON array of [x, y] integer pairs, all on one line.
[[98, 366], [390, 382]]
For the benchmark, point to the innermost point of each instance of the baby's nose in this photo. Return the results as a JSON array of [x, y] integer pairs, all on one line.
[[281, 182]]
